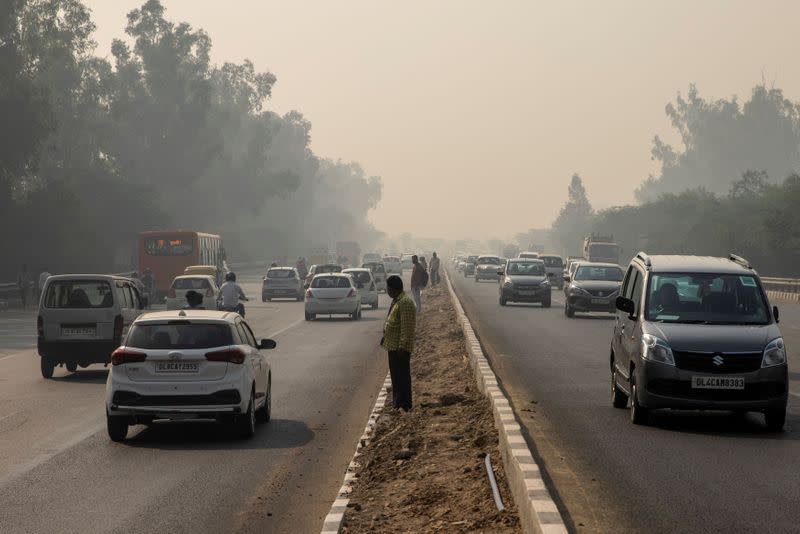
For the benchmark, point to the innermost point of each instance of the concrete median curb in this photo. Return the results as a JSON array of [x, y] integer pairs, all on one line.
[[538, 512], [333, 521], [783, 296]]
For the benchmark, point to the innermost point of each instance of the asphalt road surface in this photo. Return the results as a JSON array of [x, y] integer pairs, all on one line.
[[687, 472], [59, 472]]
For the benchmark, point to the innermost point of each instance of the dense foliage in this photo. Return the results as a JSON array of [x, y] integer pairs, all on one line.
[[93, 152]]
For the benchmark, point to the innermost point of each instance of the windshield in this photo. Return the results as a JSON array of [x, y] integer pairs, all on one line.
[[705, 299], [472, 259], [361, 277], [529, 255], [489, 260], [280, 273], [191, 283], [329, 282], [375, 267], [391, 259], [590, 272], [79, 294], [525, 268], [329, 269], [603, 250], [552, 261], [179, 336]]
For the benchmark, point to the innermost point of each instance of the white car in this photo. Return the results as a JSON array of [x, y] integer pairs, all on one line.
[[332, 294], [367, 288], [392, 265], [405, 261], [189, 364], [378, 273], [206, 285]]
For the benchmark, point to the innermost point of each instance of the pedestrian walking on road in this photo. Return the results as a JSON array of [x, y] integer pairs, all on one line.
[[419, 279], [398, 341], [434, 269], [24, 284]]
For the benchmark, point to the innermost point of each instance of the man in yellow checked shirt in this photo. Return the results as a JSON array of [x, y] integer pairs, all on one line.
[[398, 340]]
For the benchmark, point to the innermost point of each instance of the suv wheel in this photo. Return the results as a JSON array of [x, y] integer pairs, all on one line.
[[547, 302], [639, 414], [246, 422], [310, 316], [47, 367], [117, 426], [265, 412], [775, 419], [72, 367], [502, 301], [568, 311], [618, 397]]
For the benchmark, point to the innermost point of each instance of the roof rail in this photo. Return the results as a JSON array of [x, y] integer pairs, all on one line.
[[740, 260], [644, 257]]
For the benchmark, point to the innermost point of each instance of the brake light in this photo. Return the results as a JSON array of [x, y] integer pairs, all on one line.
[[40, 326], [171, 293], [209, 292], [230, 355], [352, 293], [118, 322], [309, 294], [122, 356]]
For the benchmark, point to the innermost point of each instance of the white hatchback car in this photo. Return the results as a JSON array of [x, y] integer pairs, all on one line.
[[206, 285], [189, 364], [332, 294], [366, 285]]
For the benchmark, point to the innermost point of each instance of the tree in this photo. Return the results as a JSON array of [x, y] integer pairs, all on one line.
[[572, 223]]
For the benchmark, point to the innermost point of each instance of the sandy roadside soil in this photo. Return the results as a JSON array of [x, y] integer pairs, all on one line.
[[424, 470]]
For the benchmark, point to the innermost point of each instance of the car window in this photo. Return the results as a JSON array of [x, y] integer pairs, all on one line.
[[250, 334], [280, 273], [360, 277], [173, 336], [244, 335], [191, 283], [636, 292], [552, 261], [135, 296], [627, 284], [328, 282], [125, 299], [79, 294], [525, 268], [489, 260]]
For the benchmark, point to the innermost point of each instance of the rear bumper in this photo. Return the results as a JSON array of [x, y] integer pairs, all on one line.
[[220, 402], [487, 275], [77, 351], [582, 303], [320, 307], [281, 293], [514, 295]]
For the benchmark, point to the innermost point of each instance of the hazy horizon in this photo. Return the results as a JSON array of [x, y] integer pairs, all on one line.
[[467, 107]]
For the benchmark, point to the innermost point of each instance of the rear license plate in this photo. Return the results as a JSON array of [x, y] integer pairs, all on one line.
[[78, 330], [718, 382], [177, 367], [600, 301]]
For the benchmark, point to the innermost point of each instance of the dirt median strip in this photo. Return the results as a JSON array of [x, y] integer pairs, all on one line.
[[424, 471]]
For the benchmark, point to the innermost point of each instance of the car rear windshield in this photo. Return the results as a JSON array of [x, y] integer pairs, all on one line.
[[79, 294], [328, 282], [191, 283], [489, 260], [375, 267], [329, 269], [525, 268], [179, 336], [280, 273], [590, 272], [552, 261], [703, 298], [361, 277]]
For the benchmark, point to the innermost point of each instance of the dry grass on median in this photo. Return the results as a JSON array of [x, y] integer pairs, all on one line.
[[424, 470]]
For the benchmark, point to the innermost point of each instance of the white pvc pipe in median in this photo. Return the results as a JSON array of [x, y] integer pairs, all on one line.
[[495, 492]]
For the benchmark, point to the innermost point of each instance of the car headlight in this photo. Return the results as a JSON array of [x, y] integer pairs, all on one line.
[[656, 350], [508, 284], [545, 282], [580, 290], [774, 354]]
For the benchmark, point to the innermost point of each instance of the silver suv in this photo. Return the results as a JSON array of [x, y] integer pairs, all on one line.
[[697, 333]]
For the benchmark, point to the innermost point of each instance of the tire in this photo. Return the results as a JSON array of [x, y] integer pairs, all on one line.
[[547, 302], [775, 419], [375, 306], [246, 422], [477, 280], [300, 299], [263, 299], [618, 397], [639, 414], [47, 367], [310, 316], [502, 301], [117, 426], [72, 367], [264, 414], [568, 311]]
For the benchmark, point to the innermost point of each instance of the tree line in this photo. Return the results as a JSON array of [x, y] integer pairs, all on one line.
[[94, 151]]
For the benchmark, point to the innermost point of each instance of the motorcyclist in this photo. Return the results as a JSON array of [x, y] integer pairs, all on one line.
[[230, 294]]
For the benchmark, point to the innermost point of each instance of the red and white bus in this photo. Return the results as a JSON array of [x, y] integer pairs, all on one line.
[[168, 252]]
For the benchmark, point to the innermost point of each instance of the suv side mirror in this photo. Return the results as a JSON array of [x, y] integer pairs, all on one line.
[[566, 278], [266, 344], [625, 305], [500, 272], [776, 314]]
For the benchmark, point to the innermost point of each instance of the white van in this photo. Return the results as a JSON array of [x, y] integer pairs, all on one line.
[[83, 318]]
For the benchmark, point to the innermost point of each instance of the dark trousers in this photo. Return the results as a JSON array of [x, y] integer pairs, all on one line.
[[400, 371]]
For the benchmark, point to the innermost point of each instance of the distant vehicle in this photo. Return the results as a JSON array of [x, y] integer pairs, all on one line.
[[348, 253], [208, 270], [393, 265], [528, 255], [594, 288], [365, 283], [510, 251], [83, 318], [469, 265], [204, 284], [168, 253], [486, 268], [569, 271], [601, 249], [320, 269], [525, 280], [697, 333], [189, 364], [332, 294], [282, 283], [461, 265], [371, 257], [554, 264], [406, 262], [378, 270]]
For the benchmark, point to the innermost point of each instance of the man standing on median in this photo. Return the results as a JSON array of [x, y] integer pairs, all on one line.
[[398, 340], [417, 282], [434, 269]]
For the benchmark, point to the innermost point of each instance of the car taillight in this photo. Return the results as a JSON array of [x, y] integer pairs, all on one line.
[[230, 355], [171, 293], [121, 356], [118, 322], [209, 292], [352, 293], [309, 294], [40, 326]]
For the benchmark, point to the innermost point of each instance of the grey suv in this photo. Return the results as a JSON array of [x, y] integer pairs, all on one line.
[[697, 333]]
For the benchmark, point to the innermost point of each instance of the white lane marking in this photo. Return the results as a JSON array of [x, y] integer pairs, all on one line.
[[9, 415], [9, 356], [284, 329]]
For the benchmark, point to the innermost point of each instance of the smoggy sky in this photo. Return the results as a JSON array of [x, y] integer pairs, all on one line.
[[476, 113]]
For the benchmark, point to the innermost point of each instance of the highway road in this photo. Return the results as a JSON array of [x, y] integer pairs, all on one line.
[[59, 472], [687, 472]]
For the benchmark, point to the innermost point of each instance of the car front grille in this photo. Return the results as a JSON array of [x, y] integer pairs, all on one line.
[[603, 293], [129, 398], [718, 363]]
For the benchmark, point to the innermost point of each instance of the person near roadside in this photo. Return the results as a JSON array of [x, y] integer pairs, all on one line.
[[434, 270], [45, 274], [194, 301], [398, 341], [417, 274], [24, 284]]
